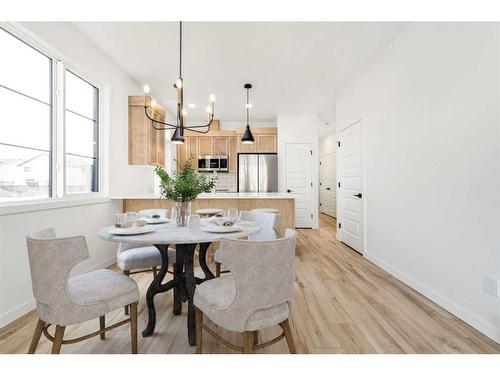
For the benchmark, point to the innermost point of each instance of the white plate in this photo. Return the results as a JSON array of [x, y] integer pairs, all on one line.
[[132, 230], [208, 211], [161, 220], [212, 228]]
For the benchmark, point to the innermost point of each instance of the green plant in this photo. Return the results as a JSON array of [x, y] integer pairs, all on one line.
[[185, 185]]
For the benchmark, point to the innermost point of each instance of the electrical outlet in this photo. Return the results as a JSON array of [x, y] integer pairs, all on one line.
[[491, 286]]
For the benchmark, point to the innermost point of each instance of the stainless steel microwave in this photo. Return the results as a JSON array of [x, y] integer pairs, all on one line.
[[210, 163]]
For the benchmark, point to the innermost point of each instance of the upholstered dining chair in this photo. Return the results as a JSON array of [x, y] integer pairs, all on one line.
[[256, 295], [62, 300], [139, 258], [269, 228]]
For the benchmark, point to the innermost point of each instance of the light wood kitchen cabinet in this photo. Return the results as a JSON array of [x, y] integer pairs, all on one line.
[[265, 141], [181, 154], [204, 145], [192, 151], [246, 147], [220, 145], [233, 154], [146, 146], [220, 142]]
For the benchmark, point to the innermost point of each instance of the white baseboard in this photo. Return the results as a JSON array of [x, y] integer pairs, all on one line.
[[15, 313], [473, 320], [18, 311]]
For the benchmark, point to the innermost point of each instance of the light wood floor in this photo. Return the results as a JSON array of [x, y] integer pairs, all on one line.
[[342, 304]]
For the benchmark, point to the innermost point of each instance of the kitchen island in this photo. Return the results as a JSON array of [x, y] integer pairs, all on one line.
[[284, 202]]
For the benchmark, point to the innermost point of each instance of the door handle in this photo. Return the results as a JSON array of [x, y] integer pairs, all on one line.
[[359, 195], [288, 191], [328, 189]]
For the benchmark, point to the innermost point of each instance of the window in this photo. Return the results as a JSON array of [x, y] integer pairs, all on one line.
[[25, 120], [81, 133], [48, 147]]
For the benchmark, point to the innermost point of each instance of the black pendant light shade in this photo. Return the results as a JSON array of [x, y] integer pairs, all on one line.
[[178, 136], [247, 135]]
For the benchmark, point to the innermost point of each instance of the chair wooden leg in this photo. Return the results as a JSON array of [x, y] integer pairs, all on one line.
[[255, 340], [133, 327], [126, 273], [102, 326], [155, 272], [58, 338], [285, 325], [217, 269], [199, 330], [247, 342], [36, 336]]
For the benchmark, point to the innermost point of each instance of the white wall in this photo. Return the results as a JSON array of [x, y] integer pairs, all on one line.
[[15, 283], [298, 129], [430, 105]]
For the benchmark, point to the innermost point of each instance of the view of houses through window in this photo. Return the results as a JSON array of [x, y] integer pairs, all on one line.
[[28, 123]]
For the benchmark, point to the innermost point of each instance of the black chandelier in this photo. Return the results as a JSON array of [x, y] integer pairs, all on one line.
[[247, 135], [178, 136]]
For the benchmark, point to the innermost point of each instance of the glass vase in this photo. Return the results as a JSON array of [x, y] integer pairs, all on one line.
[[182, 212]]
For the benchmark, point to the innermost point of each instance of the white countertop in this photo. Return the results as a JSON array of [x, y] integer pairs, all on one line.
[[223, 196]]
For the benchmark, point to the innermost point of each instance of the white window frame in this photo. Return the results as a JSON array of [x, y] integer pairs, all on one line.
[[58, 197]]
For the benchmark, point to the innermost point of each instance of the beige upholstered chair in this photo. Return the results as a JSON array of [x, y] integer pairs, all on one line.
[[255, 296], [133, 259], [62, 300], [269, 227]]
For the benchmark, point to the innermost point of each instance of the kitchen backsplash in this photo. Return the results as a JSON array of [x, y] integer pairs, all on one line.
[[225, 181]]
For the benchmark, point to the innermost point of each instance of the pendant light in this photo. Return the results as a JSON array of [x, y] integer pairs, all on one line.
[[180, 125], [247, 135]]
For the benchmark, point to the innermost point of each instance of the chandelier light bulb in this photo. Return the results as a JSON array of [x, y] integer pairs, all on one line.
[[153, 103], [249, 105], [209, 110], [147, 89], [179, 83], [212, 98], [184, 112]]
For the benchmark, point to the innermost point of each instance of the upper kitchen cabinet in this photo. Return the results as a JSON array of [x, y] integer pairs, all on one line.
[[204, 145], [266, 140], [146, 146], [220, 145]]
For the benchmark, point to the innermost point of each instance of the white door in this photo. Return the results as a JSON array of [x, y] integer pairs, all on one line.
[[328, 184], [299, 166], [351, 206]]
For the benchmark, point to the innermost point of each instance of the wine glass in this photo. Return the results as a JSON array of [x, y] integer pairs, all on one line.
[[194, 222], [232, 214], [130, 216]]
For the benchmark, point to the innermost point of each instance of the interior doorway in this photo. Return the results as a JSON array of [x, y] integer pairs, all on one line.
[[328, 175]]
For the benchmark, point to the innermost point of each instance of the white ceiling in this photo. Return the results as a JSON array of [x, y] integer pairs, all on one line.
[[295, 67]]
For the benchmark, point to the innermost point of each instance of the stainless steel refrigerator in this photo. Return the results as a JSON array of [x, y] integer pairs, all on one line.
[[257, 173]]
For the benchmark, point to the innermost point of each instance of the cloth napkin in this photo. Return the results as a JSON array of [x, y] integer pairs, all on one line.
[[223, 222]]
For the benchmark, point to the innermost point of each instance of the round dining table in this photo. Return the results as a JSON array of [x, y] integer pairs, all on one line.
[[184, 281]]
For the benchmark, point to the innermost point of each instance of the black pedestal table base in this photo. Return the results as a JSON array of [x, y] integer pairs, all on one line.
[[183, 283]]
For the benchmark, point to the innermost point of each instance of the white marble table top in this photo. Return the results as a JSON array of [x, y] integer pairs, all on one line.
[[171, 234]]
